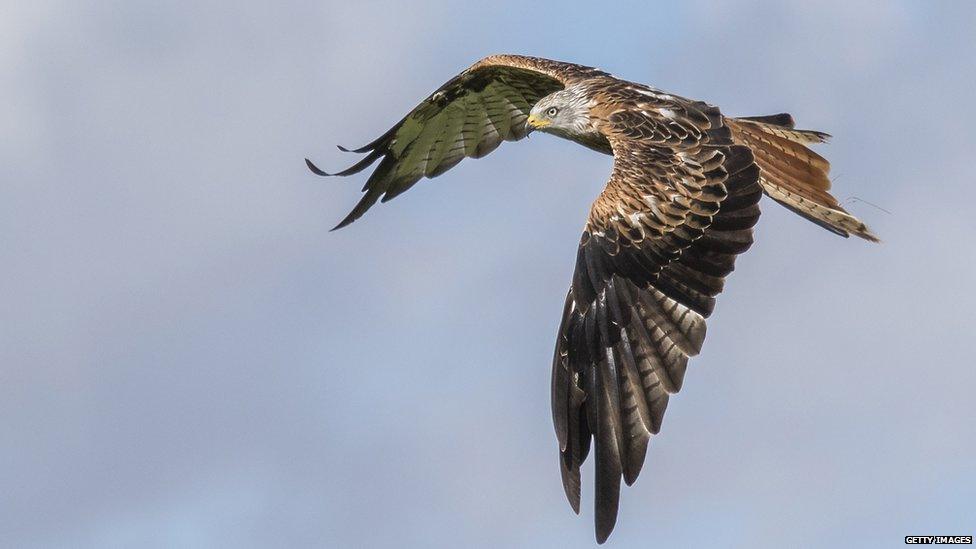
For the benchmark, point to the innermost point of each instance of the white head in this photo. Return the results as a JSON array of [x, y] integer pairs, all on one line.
[[565, 113]]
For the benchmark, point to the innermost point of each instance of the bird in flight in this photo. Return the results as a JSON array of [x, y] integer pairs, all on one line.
[[679, 206]]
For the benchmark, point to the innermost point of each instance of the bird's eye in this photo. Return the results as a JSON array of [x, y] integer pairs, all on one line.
[[552, 112]]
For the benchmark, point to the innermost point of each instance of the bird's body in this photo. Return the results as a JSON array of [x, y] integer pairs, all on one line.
[[679, 206]]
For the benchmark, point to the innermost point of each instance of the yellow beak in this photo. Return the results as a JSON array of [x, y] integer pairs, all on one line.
[[534, 123]]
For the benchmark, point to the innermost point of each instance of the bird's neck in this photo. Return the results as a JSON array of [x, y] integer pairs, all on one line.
[[589, 139]]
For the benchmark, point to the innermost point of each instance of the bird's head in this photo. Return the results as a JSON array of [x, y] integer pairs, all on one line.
[[565, 113]]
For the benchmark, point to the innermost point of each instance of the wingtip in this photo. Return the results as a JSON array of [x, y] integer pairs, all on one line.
[[571, 483], [603, 525], [353, 215], [315, 169], [574, 503], [343, 149]]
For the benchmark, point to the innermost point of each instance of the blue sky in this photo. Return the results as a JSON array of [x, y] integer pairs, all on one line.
[[188, 358]]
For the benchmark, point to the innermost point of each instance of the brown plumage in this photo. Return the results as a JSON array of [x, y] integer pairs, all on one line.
[[679, 207], [793, 175]]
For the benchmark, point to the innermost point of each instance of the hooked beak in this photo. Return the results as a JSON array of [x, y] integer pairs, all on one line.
[[532, 123]]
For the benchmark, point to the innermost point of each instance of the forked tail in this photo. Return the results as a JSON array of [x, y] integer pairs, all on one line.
[[792, 174]]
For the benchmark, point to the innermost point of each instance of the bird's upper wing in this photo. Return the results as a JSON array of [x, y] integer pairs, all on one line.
[[680, 205], [469, 116]]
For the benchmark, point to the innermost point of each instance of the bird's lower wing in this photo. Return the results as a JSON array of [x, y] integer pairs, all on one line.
[[659, 241]]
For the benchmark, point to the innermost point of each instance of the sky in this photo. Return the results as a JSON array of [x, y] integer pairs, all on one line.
[[189, 358]]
